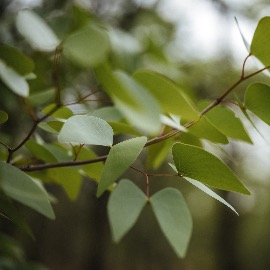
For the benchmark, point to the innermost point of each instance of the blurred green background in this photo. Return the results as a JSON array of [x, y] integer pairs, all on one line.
[[198, 45]]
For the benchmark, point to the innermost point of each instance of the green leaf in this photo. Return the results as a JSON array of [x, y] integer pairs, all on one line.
[[92, 170], [36, 31], [51, 126], [3, 117], [69, 179], [204, 129], [131, 99], [124, 207], [174, 218], [40, 152], [44, 97], [227, 123], [19, 186], [196, 163], [13, 80], [120, 157], [121, 128], [209, 192], [86, 129], [260, 45], [62, 113], [16, 60], [257, 100], [108, 114], [87, 47], [170, 97]]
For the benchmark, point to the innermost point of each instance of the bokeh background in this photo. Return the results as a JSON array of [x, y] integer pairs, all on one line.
[[197, 44]]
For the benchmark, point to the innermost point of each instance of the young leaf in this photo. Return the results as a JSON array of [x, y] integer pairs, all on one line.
[[92, 170], [62, 113], [87, 47], [196, 163], [3, 117], [131, 99], [260, 45], [208, 191], [124, 207], [16, 60], [257, 100], [86, 129], [120, 157], [69, 179], [19, 186], [14, 81], [36, 31], [174, 218], [168, 94]]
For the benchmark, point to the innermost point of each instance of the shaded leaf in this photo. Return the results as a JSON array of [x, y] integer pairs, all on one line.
[[88, 46], [108, 114], [36, 31], [62, 113], [51, 126], [3, 117], [69, 179], [174, 218], [257, 100], [196, 163], [120, 157], [205, 130], [170, 97], [16, 60], [226, 121], [131, 99], [19, 186], [86, 129], [124, 207]]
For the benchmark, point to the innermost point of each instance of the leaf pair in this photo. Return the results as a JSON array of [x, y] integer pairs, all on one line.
[[127, 202]]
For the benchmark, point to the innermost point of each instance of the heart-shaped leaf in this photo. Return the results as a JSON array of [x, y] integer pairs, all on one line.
[[124, 207], [174, 218]]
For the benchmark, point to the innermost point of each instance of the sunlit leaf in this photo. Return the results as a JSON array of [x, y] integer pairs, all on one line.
[[36, 31], [14, 81], [19, 186], [86, 129], [124, 207], [120, 157], [170, 97], [196, 163], [257, 100], [51, 126], [174, 218], [131, 99], [260, 45], [88, 46], [247, 45]]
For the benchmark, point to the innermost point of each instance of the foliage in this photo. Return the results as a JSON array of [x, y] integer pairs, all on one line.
[[147, 110]]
